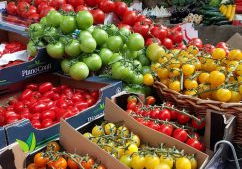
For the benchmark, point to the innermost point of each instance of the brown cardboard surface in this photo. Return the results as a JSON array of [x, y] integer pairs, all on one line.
[[148, 135], [235, 41], [11, 36]]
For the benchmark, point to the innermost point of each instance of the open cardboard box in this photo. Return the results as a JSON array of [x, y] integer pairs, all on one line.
[[40, 64], [22, 129]]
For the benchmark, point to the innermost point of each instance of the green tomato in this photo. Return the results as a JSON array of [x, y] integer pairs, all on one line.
[[127, 74], [131, 54], [72, 49], [66, 65], [68, 24], [54, 18], [138, 79], [105, 55], [79, 71], [94, 62], [137, 64], [116, 69], [115, 57], [124, 33], [135, 42], [88, 45], [35, 30], [84, 20], [43, 21], [91, 29], [154, 51], [84, 35], [100, 36], [56, 50], [31, 48], [144, 60], [115, 43], [50, 32], [112, 29], [145, 70]]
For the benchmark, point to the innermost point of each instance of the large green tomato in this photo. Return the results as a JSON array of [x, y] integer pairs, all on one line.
[[116, 70], [115, 57], [154, 51], [88, 45], [84, 35], [124, 33], [31, 48], [100, 36], [79, 71], [84, 19], [131, 54], [68, 24], [50, 32], [138, 79], [137, 64], [73, 48], [66, 65], [35, 30], [112, 29], [127, 74], [54, 18], [56, 50], [91, 29], [43, 21], [94, 62], [135, 42], [144, 60], [115, 43], [105, 55], [145, 70]]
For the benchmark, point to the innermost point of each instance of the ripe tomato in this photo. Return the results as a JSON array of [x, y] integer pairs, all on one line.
[[88, 164], [166, 129], [132, 99], [48, 114], [180, 134], [91, 3], [59, 163], [44, 87], [153, 125], [152, 40], [155, 31], [45, 10], [12, 8], [141, 28], [32, 10], [47, 123], [120, 8], [122, 25], [38, 2], [131, 106], [194, 143], [208, 48], [196, 42], [150, 100], [101, 167], [181, 46], [57, 3], [81, 8], [34, 17], [98, 16], [22, 8], [197, 125], [163, 33], [168, 43], [53, 146], [177, 37], [41, 6], [173, 114], [40, 160], [72, 164], [222, 45], [182, 118], [32, 166], [76, 3], [165, 115], [107, 6], [67, 7], [143, 20], [129, 17], [154, 113]]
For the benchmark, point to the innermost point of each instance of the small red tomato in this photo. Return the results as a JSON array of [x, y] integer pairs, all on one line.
[[180, 134], [107, 6], [122, 25], [47, 123], [198, 125], [26, 115], [182, 118], [18, 107], [41, 6], [81, 8], [26, 94], [222, 45], [45, 10], [152, 40], [165, 115], [45, 87], [166, 129], [67, 8], [120, 8], [57, 3], [194, 143], [129, 17], [132, 99], [36, 124], [34, 17], [168, 43], [81, 105], [153, 125], [150, 100], [155, 113], [131, 106], [48, 114], [36, 116], [98, 16], [208, 48], [196, 42], [12, 8], [173, 114]]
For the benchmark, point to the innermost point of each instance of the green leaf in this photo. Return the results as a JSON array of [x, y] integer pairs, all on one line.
[[24, 146], [31, 141]]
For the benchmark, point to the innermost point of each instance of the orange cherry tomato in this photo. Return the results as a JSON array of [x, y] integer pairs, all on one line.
[[72, 164], [32, 166], [40, 160], [53, 146], [101, 167], [60, 163]]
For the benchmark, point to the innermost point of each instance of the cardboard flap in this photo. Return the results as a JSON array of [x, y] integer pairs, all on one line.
[[114, 113], [235, 41]]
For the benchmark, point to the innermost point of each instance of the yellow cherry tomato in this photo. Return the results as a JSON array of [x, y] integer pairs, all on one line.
[[162, 60], [110, 128], [203, 77], [239, 70], [197, 65], [183, 163], [234, 54], [190, 84], [132, 148], [188, 69], [126, 160], [203, 90], [155, 66], [216, 78], [162, 73], [108, 146], [148, 79], [193, 50], [218, 53], [169, 55], [239, 78], [240, 90], [175, 85], [135, 139], [183, 53], [151, 161], [88, 135], [162, 166], [167, 160], [174, 63], [120, 151], [123, 131], [235, 96], [138, 162], [209, 65], [193, 163], [97, 131], [174, 73], [223, 95], [190, 92], [165, 81]]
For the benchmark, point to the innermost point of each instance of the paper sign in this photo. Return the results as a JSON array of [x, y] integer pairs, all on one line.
[[20, 55], [3, 5], [189, 31]]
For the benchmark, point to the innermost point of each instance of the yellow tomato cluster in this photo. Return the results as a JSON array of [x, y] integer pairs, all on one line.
[[126, 146], [216, 76]]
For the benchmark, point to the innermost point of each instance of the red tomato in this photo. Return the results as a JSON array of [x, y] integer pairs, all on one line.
[[107, 6], [155, 31], [76, 3], [48, 114], [98, 16], [22, 8], [45, 11], [165, 115], [153, 125], [27, 93], [81, 105], [141, 28], [197, 125], [91, 3], [122, 25], [129, 17], [177, 37], [150, 100], [168, 43], [173, 114], [194, 143], [166, 129], [222, 45], [38, 2], [47, 123], [180, 134], [132, 99], [18, 107], [26, 115], [36, 124], [181, 46], [81, 8], [38, 107], [57, 3], [144, 20], [208, 48], [162, 33], [67, 7], [152, 40], [120, 8], [177, 28], [196, 42], [12, 8], [182, 118], [34, 17], [32, 10], [45, 87], [41, 6], [131, 106]]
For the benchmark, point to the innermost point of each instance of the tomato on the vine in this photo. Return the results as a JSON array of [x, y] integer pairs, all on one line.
[[141, 28], [166, 129], [98, 16], [129, 17], [164, 115], [12, 8], [180, 134], [120, 8], [194, 143]]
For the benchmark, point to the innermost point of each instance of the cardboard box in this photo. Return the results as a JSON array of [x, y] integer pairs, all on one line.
[[22, 129], [40, 64], [114, 113]]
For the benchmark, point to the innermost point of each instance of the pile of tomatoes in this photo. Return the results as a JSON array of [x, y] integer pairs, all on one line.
[[126, 146], [44, 104], [56, 159], [168, 120]]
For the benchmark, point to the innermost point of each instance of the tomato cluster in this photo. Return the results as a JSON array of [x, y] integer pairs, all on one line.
[[126, 146], [168, 120], [56, 159], [200, 70], [44, 104]]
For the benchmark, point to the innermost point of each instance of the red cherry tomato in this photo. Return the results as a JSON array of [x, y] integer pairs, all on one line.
[[91, 3], [196, 42], [12, 8], [131, 106], [36, 124], [143, 20], [48, 114], [155, 113], [26, 94], [32, 10], [222, 45], [173, 114], [107, 6], [194, 143], [18, 106], [152, 40], [166, 129], [67, 8], [76, 3], [180, 134], [197, 125], [129, 17], [41, 6], [98, 16], [165, 115], [45, 11], [120, 8], [122, 25], [141, 28], [168, 43], [81, 105], [150, 100], [47, 123], [57, 3], [208, 48], [34, 17], [22, 8], [81, 8], [182, 118], [45, 87]]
